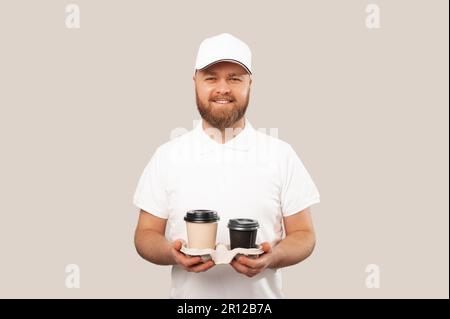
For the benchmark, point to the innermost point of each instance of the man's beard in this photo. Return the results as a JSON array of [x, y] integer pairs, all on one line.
[[222, 117]]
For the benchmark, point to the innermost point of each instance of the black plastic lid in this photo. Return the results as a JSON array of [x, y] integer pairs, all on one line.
[[201, 216], [243, 224]]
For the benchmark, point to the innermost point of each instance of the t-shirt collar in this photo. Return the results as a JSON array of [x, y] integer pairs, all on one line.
[[241, 142]]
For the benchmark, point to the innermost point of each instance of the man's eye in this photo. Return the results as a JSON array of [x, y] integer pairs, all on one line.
[[210, 78], [236, 79]]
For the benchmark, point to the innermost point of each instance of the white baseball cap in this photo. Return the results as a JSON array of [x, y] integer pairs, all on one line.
[[223, 47]]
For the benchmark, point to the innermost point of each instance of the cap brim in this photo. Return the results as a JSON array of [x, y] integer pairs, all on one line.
[[227, 60]]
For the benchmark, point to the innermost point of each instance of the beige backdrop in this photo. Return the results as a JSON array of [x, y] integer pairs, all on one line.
[[82, 111]]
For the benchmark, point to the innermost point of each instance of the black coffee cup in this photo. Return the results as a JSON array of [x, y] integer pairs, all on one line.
[[243, 232]]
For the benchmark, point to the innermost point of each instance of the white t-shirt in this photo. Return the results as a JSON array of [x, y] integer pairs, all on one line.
[[253, 175]]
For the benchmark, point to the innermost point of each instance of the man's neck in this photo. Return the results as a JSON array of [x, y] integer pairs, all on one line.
[[225, 134]]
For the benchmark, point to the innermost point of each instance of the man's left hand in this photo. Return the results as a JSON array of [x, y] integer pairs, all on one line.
[[251, 267]]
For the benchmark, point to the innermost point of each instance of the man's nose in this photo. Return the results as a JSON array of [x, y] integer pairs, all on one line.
[[222, 87]]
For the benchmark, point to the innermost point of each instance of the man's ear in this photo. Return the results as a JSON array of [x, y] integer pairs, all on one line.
[[194, 76]]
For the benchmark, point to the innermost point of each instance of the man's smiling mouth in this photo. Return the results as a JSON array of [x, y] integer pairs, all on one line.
[[222, 101]]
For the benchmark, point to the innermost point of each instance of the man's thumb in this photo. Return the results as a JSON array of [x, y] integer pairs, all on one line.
[[266, 247], [177, 244]]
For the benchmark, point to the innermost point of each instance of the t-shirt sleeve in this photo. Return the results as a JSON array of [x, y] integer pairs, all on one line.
[[298, 190], [151, 194]]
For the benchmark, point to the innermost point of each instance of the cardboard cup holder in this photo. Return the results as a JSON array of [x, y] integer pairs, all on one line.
[[222, 254]]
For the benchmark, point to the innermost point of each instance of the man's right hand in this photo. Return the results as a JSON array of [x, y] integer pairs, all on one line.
[[189, 263]]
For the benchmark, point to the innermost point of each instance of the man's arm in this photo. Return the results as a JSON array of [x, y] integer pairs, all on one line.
[[299, 241], [295, 247], [152, 245], [150, 241]]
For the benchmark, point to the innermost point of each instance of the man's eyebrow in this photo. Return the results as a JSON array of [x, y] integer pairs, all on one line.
[[236, 74], [207, 72]]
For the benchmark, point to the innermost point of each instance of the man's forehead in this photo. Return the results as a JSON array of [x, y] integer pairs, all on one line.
[[225, 67], [231, 73]]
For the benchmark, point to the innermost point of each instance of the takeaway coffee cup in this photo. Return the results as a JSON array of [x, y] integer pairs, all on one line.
[[243, 232], [201, 227]]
